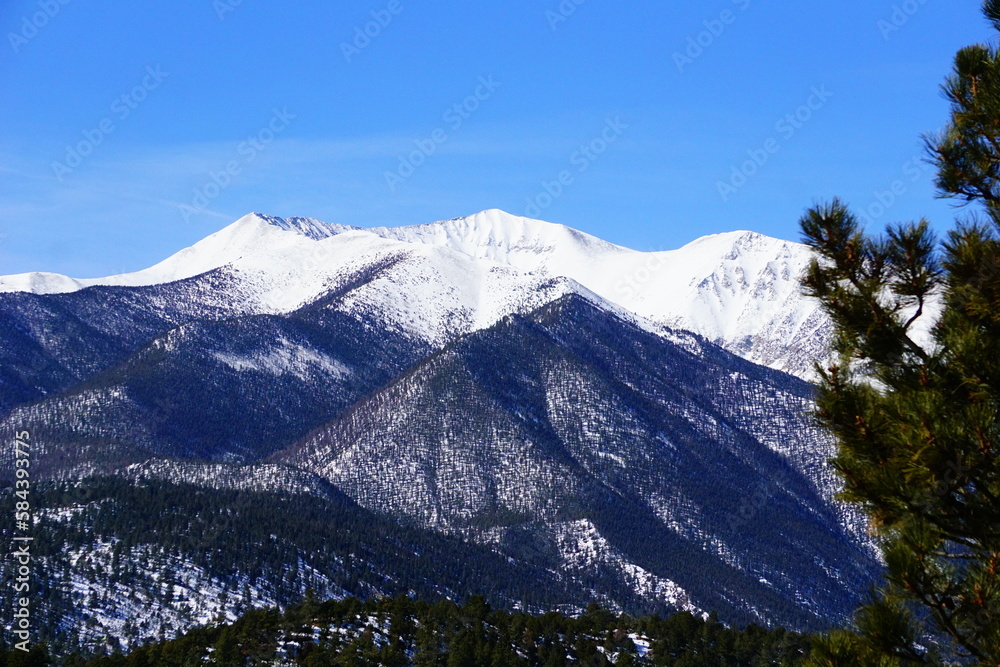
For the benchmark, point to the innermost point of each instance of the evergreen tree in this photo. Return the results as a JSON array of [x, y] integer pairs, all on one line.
[[227, 649], [916, 418]]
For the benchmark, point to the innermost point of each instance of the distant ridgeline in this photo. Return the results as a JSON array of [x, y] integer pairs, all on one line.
[[396, 632]]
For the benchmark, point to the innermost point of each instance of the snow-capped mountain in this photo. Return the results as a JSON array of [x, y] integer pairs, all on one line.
[[739, 290], [601, 421]]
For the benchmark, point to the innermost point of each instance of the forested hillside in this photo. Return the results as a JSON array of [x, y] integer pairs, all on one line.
[[396, 632]]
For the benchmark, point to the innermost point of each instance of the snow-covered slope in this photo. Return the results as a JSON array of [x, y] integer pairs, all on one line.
[[448, 278]]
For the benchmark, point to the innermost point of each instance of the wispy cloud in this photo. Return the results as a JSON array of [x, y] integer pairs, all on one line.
[[137, 196]]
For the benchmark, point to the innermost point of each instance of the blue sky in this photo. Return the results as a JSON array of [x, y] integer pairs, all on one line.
[[130, 134]]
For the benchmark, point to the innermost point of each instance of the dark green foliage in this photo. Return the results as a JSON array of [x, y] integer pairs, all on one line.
[[917, 420], [404, 631], [917, 431], [36, 656]]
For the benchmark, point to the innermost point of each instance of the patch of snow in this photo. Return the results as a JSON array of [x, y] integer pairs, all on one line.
[[286, 358]]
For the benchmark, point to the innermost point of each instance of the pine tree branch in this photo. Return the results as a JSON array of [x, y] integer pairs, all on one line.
[[916, 315], [881, 315], [937, 607], [943, 554]]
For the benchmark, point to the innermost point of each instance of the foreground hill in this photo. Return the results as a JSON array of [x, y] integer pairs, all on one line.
[[401, 631]]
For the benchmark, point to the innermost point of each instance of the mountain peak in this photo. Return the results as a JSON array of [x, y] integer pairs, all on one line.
[[523, 243], [507, 226], [308, 227]]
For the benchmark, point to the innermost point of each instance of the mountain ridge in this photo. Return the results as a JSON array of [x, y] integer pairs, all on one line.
[[738, 289], [554, 425]]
